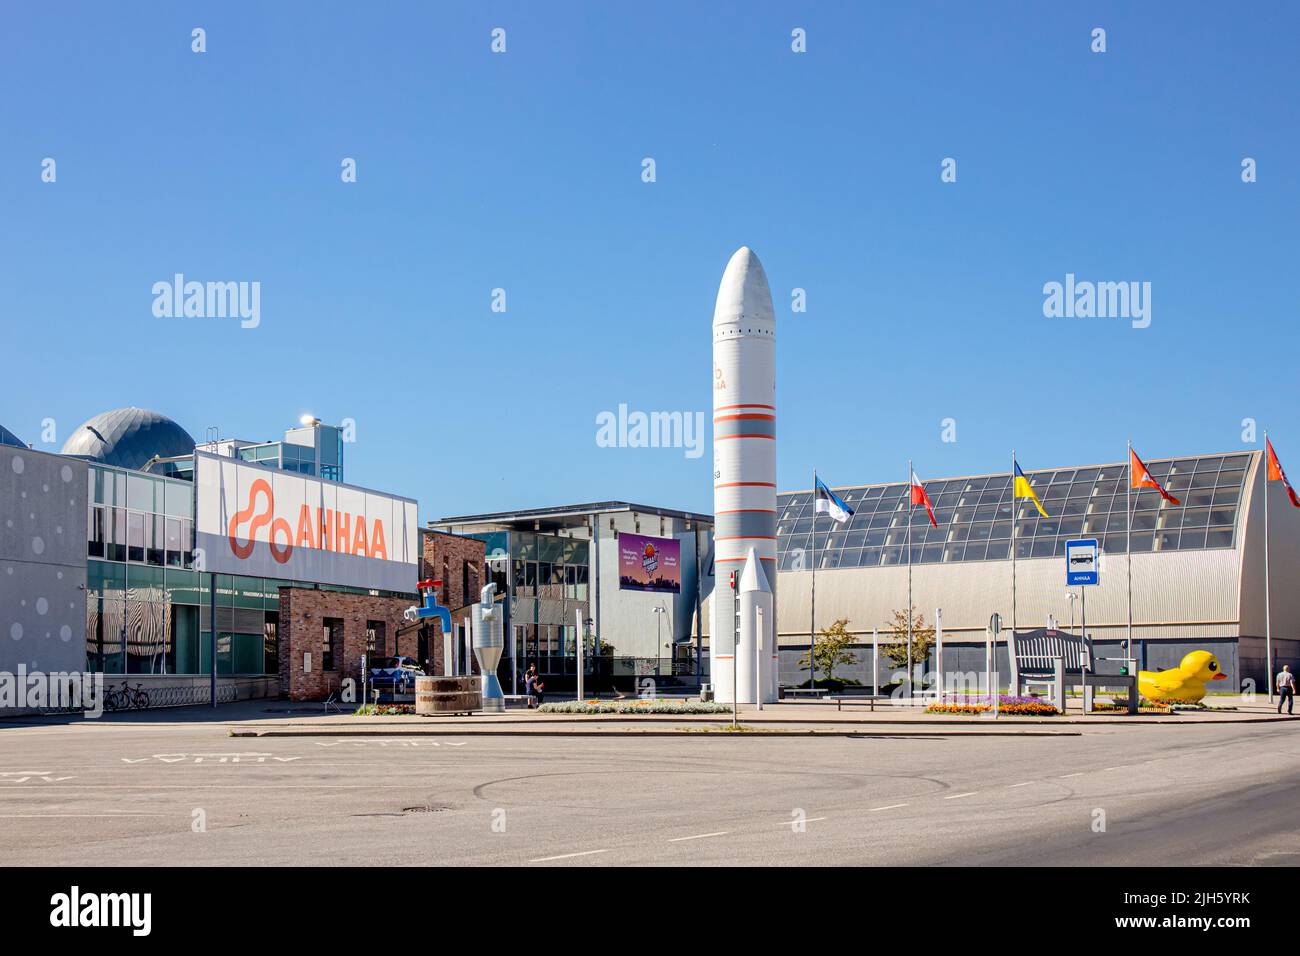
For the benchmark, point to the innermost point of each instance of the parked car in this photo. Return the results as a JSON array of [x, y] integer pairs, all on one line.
[[393, 676]]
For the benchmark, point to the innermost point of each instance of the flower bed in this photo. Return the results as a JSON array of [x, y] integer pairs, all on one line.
[[634, 707], [384, 710], [1007, 704]]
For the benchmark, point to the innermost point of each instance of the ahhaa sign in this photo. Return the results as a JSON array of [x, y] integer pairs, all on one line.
[[260, 521]]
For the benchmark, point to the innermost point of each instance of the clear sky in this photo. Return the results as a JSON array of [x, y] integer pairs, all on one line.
[[523, 171]]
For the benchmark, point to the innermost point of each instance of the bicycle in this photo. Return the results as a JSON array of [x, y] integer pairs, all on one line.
[[126, 698]]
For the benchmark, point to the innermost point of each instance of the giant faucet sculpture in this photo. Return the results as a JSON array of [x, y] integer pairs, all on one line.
[[489, 641], [431, 608]]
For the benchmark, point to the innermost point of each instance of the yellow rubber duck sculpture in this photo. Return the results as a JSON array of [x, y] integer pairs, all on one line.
[[1182, 684]]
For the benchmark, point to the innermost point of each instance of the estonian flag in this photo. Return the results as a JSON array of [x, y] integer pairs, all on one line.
[[829, 503]]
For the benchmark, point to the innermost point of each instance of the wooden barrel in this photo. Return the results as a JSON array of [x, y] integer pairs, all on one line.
[[447, 695]]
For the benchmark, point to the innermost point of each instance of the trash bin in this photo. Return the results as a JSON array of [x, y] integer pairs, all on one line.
[[706, 693]]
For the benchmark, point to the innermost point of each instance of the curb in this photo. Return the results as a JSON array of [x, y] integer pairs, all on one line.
[[1141, 721], [634, 732]]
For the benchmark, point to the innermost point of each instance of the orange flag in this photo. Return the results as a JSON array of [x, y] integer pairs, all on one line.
[[1141, 478], [1275, 472]]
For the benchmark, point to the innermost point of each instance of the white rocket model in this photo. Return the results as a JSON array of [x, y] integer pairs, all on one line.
[[744, 485]]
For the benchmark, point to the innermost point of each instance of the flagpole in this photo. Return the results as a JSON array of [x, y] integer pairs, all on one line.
[[1268, 610], [910, 689], [1128, 546], [1014, 509], [812, 604]]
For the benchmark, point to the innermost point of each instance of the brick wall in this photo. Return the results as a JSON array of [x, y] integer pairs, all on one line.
[[456, 555], [302, 611]]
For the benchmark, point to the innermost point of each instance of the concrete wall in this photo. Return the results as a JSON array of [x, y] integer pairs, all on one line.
[[626, 619], [1192, 593], [1284, 570], [42, 561]]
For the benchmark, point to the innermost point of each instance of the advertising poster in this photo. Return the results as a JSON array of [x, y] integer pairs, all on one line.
[[649, 564]]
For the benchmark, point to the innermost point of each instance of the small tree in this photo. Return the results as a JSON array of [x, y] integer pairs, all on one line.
[[895, 647], [832, 649]]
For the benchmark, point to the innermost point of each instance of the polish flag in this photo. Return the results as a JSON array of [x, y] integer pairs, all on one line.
[[919, 497], [1139, 477], [1275, 472]]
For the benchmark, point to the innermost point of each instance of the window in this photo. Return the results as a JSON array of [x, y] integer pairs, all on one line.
[[376, 639], [135, 536], [155, 535], [331, 639], [97, 533]]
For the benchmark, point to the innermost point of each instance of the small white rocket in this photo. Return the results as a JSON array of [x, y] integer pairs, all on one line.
[[744, 484]]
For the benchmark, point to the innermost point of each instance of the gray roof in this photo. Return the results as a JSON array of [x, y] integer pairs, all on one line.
[[9, 438], [566, 513], [128, 438]]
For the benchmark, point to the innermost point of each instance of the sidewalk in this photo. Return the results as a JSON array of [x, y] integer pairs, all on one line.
[[787, 717]]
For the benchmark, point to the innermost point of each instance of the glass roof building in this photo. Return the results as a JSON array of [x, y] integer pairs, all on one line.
[[974, 516], [1197, 567]]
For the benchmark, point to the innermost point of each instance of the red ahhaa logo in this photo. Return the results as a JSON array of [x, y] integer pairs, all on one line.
[[323, 529]]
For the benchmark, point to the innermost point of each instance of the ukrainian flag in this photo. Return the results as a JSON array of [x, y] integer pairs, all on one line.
[[1023, 490]]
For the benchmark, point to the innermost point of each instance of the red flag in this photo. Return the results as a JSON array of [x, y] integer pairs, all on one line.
[[1139, 477], [1275, 472], [919, 497]]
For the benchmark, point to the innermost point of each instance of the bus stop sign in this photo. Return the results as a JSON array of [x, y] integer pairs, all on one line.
[[1081, 562]]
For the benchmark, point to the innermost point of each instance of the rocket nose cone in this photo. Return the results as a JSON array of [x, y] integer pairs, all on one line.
[[744, 292]]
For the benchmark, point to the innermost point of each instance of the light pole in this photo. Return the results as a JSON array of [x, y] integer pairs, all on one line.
[[659, 631], [1072, 598]]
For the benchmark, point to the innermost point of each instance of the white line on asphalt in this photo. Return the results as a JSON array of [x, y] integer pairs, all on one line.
[[700, 836], [566, 856], [892, 806], [969, 793], [1066, 776], [1105, 769], [1027, 783], [786, 823], [25, 816]]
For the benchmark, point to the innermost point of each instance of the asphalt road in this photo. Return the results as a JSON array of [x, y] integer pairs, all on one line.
[[115, 792]]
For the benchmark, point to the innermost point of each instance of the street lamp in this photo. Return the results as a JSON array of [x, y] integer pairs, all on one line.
[[659, 631]]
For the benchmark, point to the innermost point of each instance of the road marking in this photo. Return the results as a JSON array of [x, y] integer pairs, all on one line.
[[790, 823], [1027, 783], [892, 806], [566, 856], [1105, 769], [1067, 776], [955, 796], [40, 816], [700, 836]]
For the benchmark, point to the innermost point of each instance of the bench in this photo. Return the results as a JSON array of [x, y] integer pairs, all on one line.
[[1060, 659], [817, 692], [850, 699]]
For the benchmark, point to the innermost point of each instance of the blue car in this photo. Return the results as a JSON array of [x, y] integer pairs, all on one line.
[[395, 676]]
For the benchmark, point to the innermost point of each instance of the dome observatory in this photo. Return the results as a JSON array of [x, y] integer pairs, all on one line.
[[128, 438], [9, 438]]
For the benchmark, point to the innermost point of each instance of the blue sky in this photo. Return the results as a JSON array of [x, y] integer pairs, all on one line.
[[523, 171]]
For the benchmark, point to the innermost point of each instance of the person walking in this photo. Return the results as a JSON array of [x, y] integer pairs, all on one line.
[[1286, 689]]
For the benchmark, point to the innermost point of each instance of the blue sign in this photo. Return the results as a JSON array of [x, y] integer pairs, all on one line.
[[1081, 557]]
